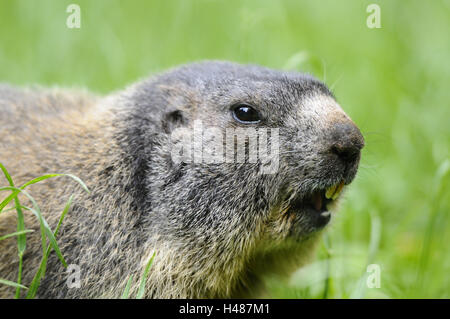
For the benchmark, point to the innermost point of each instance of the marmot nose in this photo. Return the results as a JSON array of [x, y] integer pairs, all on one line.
[[347, 141]]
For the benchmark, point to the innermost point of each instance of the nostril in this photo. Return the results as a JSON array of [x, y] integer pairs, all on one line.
[[347, 152], [347, 141]]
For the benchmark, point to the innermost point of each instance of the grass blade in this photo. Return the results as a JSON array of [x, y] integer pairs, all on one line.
[[45, 229], [39, 274], [21, 238], [47, 176], [375, 236], [126, 292], [5, 172], [17, 233], [12, 283], [144, 278], [49, 234], [36, 180]]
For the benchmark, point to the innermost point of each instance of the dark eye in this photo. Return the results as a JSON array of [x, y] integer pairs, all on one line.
[[245, 114]]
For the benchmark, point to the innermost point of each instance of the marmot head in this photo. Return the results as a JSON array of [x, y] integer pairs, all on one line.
[[223, 201]]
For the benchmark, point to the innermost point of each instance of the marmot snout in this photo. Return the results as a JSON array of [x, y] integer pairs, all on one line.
[[248, 195]]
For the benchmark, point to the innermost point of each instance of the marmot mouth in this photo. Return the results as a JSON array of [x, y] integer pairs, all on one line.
[[318, 203], [320, 200]]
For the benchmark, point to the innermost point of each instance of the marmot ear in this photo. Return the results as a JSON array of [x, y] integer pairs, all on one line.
[[172, 120]]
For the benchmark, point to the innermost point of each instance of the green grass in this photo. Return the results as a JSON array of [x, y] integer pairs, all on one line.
[[46, 232], [392, 81]]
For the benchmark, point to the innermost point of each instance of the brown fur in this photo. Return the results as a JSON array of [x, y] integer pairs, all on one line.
[[215, 230]]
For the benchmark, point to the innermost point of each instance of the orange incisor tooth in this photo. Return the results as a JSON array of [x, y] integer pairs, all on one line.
[[330, 191], [338, 191]]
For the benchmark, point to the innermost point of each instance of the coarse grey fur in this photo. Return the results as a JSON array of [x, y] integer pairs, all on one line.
[[216, 228]]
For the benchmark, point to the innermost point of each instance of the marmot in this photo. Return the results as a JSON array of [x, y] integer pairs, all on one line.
[[216, 228]]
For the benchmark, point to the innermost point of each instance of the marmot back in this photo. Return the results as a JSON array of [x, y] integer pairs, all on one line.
[[227, 171]]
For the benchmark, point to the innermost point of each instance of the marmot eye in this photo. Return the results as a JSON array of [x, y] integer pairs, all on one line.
[[245, 114]]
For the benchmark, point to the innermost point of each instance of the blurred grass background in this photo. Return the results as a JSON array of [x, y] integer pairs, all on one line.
[[392, 81]]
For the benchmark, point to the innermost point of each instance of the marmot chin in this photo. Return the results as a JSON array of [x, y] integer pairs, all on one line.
[[216, 228]]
